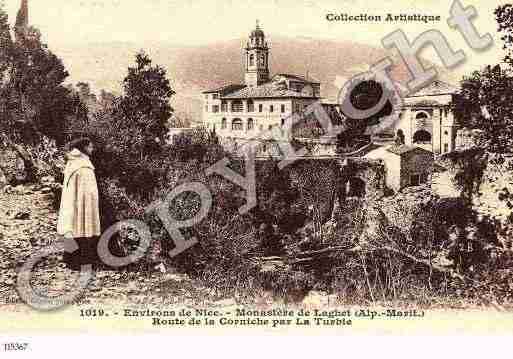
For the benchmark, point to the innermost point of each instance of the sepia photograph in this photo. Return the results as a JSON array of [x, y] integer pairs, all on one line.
[[281, 167]]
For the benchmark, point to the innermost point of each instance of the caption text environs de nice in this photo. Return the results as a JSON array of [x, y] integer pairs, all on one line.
[[364, 17]]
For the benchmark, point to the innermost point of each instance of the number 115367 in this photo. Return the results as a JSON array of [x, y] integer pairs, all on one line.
[[14, 347]]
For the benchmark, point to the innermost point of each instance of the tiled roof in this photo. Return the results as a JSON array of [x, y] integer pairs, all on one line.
[[267, 90], [298, 78], [226, 89], [400, 150], [436, 88]]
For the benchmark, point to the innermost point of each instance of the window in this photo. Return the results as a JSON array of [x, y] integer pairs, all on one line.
[[422, 136], [282, 122], [271, 108], [282, 108], [446, 147], [250, 124], [270, 127], [223, 124], [206, 96], [237, 124], [260, 108], [251, 60], [262, 60], [215, 108], [251, 106], [215, 96], [237, 106], [421, 118], [298, 107], [414, 180], [224, 106]]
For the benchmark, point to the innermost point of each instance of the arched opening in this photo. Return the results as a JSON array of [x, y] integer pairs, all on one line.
[[422, 136], [251, 60], [250, 124], [356, 187], [421, 115], [237, 124], [421, 119]]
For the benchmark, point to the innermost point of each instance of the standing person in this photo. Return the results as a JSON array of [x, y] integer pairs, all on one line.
[[79, 214]]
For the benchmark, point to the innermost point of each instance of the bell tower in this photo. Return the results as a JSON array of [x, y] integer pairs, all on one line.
[[257, 58]]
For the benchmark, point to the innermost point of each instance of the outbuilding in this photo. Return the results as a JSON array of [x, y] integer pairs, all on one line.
[[404, 165]]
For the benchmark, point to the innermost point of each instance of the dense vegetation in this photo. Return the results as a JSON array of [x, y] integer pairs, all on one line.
[[411, 247]]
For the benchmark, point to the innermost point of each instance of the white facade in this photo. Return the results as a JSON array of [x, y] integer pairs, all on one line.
[[260, 104], [246, 118], [427, 120]]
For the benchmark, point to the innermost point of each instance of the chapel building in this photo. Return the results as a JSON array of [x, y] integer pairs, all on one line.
[[427, 119]]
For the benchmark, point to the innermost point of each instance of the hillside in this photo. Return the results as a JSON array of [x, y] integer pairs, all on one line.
[[197, 68]]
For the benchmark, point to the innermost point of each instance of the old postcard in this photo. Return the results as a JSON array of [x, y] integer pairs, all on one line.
[[273, 166]]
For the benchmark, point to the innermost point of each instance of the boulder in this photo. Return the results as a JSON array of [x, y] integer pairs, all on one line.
[[47, 181], [46, 190], [229, 302], [12, 166], [22, 214], [316, 299], [20, 189]]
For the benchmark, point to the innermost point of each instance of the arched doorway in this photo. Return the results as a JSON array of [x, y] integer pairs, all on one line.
[[237, 124], [250, 125], [422, 137]]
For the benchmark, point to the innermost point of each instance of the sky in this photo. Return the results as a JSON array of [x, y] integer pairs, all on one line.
[[198, 22]]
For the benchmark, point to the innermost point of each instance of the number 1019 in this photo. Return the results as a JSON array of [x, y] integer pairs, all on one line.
[[92, 312]]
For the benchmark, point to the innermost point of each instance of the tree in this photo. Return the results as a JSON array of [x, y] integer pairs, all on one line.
[[6, 54], [33, 98], [504, 17], [277, 212], [486, 103], [486, 97], [6, 43], [144, 109]]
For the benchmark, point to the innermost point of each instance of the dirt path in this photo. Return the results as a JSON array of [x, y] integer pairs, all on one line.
[[28, 222]]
